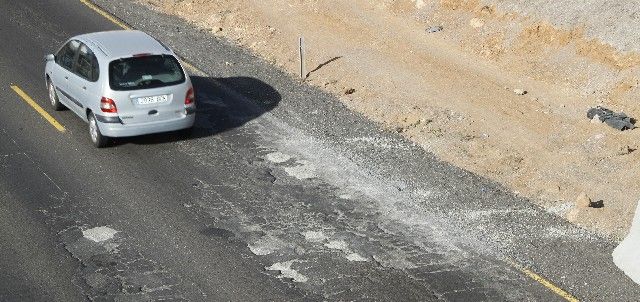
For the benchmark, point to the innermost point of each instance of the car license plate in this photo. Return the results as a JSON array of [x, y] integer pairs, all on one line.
[[152, 99]]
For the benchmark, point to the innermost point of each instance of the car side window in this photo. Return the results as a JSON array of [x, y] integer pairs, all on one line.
[[65, 57], [95, 68], [87, 64]]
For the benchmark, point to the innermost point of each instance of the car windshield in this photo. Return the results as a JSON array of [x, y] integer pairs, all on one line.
[[141, 72]]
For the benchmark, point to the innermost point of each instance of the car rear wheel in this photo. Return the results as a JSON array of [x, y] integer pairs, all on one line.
[[53, 97], [98, 140]]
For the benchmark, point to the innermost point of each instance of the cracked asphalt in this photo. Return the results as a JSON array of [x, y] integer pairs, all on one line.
[[281, 193]]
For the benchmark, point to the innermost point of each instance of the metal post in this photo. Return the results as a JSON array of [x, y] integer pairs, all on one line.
[[303, 67]]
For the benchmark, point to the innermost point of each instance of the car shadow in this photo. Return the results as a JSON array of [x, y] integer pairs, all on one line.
[[222, 104]]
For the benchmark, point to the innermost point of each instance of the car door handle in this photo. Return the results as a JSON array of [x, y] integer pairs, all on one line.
[[66, 78], [84, 87]]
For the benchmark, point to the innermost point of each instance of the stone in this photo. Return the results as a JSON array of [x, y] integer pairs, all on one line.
[[434, 29], [349, 91], [597, 204], [583, 200], [624, 150], [520, 91]]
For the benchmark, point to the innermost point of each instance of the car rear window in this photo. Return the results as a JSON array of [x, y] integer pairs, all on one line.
[[142, 72]]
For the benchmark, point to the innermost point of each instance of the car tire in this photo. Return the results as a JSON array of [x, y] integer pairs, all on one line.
[[98, 140], [53, 97]]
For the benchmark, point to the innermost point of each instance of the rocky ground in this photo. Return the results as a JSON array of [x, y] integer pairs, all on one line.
[[500, 88]]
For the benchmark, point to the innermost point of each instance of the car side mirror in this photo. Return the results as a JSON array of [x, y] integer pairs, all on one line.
[[49, 57]]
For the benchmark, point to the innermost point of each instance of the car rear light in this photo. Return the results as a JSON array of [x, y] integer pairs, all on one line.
[[108, 105], [190, 98]]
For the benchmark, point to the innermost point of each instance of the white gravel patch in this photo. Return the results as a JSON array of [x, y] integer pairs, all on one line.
[[277, 157], [314, 236], [287, 272], [266, 245], [303, 170], [337, 245], [355, 257], [99, 234]]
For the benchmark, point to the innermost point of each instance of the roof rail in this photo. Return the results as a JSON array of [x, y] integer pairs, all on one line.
[[97, 46]]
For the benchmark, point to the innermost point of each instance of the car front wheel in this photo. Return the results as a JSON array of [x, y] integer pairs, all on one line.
[[97, 138], [53, 97]]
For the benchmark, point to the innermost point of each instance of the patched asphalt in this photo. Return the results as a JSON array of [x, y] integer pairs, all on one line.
[[281, 193]]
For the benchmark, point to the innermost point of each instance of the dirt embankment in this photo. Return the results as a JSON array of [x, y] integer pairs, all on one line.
[[452, 91]]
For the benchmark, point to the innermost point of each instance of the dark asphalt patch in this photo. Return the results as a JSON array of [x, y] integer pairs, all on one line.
[[218, 232]]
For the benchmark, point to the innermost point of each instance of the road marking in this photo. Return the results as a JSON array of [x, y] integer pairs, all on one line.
[[37, 107], [105, 14], [193, 68], [546, 283]]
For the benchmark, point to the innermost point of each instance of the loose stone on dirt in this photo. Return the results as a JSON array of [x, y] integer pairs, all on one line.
[[625, 149], [434, 29], [520, 91], [583, 200], [349, 91]]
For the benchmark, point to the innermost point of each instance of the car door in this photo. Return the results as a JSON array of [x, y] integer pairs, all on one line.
[[62, 71], [83, 85]]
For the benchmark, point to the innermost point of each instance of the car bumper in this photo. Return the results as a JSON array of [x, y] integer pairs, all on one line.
[[123, 130]]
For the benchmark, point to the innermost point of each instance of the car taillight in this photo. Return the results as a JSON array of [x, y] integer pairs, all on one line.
[[108, 105], [190, 98]]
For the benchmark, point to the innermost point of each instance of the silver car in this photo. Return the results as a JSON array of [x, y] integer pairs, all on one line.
[[123, 83]]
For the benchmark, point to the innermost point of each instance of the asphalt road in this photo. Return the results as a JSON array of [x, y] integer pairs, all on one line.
[[281, 193]]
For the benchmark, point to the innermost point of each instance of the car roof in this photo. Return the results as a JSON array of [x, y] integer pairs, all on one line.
[[123, 43]]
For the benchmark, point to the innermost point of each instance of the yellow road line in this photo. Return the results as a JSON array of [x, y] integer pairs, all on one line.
[[105, 14], [37, 107], [193, 68], [546, 283]]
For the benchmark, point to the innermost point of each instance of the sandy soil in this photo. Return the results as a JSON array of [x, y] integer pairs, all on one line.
[[452, 91]]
